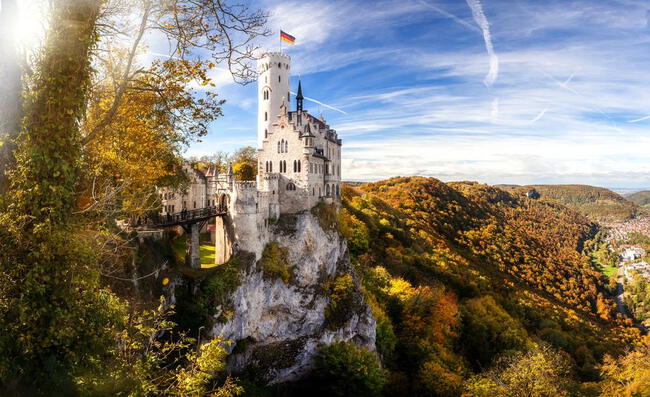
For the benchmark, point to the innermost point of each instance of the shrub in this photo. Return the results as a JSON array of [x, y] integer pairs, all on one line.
[[341, 294], [342, 369], [275, 262], [327, 216]]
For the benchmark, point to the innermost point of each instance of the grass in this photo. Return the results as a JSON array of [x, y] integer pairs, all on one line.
[[207, 250], [608, 270]]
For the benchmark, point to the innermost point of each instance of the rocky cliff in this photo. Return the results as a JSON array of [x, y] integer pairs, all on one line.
[[302, 292]]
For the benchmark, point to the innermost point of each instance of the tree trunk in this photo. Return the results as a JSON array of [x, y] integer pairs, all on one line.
[[49, 146]]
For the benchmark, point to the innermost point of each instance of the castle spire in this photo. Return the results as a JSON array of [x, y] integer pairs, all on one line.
[[299, 97]]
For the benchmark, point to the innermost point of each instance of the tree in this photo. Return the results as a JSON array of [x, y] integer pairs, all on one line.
[[541, 372], [488, 330], [10, 81], [628, 375], [60, 323], [244, 162], [342, 369], [56, 318]]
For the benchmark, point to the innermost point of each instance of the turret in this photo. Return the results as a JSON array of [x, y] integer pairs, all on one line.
[[273, 90]]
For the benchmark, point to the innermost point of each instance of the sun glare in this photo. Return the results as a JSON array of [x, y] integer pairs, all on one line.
[[28, 26]]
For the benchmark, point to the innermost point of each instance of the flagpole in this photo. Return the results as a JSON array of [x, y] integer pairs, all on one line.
[[280, 43]]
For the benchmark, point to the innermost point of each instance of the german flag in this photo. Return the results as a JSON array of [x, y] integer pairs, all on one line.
[[287, 38]]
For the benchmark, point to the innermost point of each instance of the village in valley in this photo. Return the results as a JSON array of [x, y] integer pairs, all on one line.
[[630, 277]]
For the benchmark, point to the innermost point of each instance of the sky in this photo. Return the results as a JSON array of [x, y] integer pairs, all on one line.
[[495, 91]]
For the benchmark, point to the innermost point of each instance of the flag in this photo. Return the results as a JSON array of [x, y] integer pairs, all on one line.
[[286, 37]]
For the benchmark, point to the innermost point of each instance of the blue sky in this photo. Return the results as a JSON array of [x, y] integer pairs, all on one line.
[[497, 91]]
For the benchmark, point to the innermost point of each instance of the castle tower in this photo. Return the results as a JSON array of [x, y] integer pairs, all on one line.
[[272, 90]]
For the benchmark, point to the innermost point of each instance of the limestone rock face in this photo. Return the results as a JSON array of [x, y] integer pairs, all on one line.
[[278, 326]]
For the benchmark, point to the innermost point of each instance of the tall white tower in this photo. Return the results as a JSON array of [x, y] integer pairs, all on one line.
[[272, 90]]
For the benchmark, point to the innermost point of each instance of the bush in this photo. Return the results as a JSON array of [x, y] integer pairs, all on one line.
[[342, 369], [341, 293], [327, 216], [275, 262]]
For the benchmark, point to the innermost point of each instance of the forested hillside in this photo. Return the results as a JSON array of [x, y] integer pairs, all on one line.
[[596, 203], [641, 198], [462, 273]]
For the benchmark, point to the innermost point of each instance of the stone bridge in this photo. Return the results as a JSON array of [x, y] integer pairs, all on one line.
[[192, 221]]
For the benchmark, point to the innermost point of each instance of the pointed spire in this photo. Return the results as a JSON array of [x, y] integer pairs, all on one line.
[[299, 97]]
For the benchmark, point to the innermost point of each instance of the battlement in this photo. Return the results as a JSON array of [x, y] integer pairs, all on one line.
[[271, 177], [272, 54], [241, 185]]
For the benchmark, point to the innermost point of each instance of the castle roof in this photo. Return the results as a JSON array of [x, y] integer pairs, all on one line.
[[299, 94]]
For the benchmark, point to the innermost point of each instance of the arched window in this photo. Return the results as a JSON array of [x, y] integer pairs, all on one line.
[[278, 146], [266, 116], [279, 64], [270, 166], [338, 192], [266, 133], [327, 190], [295, 168], [299, 165], [279, 79], [313, 191], [286, 147], [291, 186]]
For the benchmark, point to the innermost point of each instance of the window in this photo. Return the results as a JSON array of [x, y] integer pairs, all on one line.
[[266, 133], [295, 166], [278, 146], [194, 204], [266, 116], [279, 65], [279, 79], [286, 147], [299, 165], [291, 186], [338, 193], [327, 190], [313, 191], [270, 166]]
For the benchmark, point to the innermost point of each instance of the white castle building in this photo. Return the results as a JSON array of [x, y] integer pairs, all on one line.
[[299, 166]]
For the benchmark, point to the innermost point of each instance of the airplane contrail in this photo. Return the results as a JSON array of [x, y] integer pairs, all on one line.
[[539, 116], [482, 22], [322, 104], [640, 119], [452, 16]]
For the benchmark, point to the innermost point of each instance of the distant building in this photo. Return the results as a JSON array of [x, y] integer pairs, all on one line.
[[630, 253], [642, 268]]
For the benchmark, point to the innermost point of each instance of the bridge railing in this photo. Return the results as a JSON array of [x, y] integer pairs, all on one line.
[[178, 218]]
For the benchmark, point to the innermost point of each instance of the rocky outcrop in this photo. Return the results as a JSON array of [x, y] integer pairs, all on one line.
[[278, 323]]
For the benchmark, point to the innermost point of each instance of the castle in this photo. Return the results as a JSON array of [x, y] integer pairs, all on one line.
[[299, 166]]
